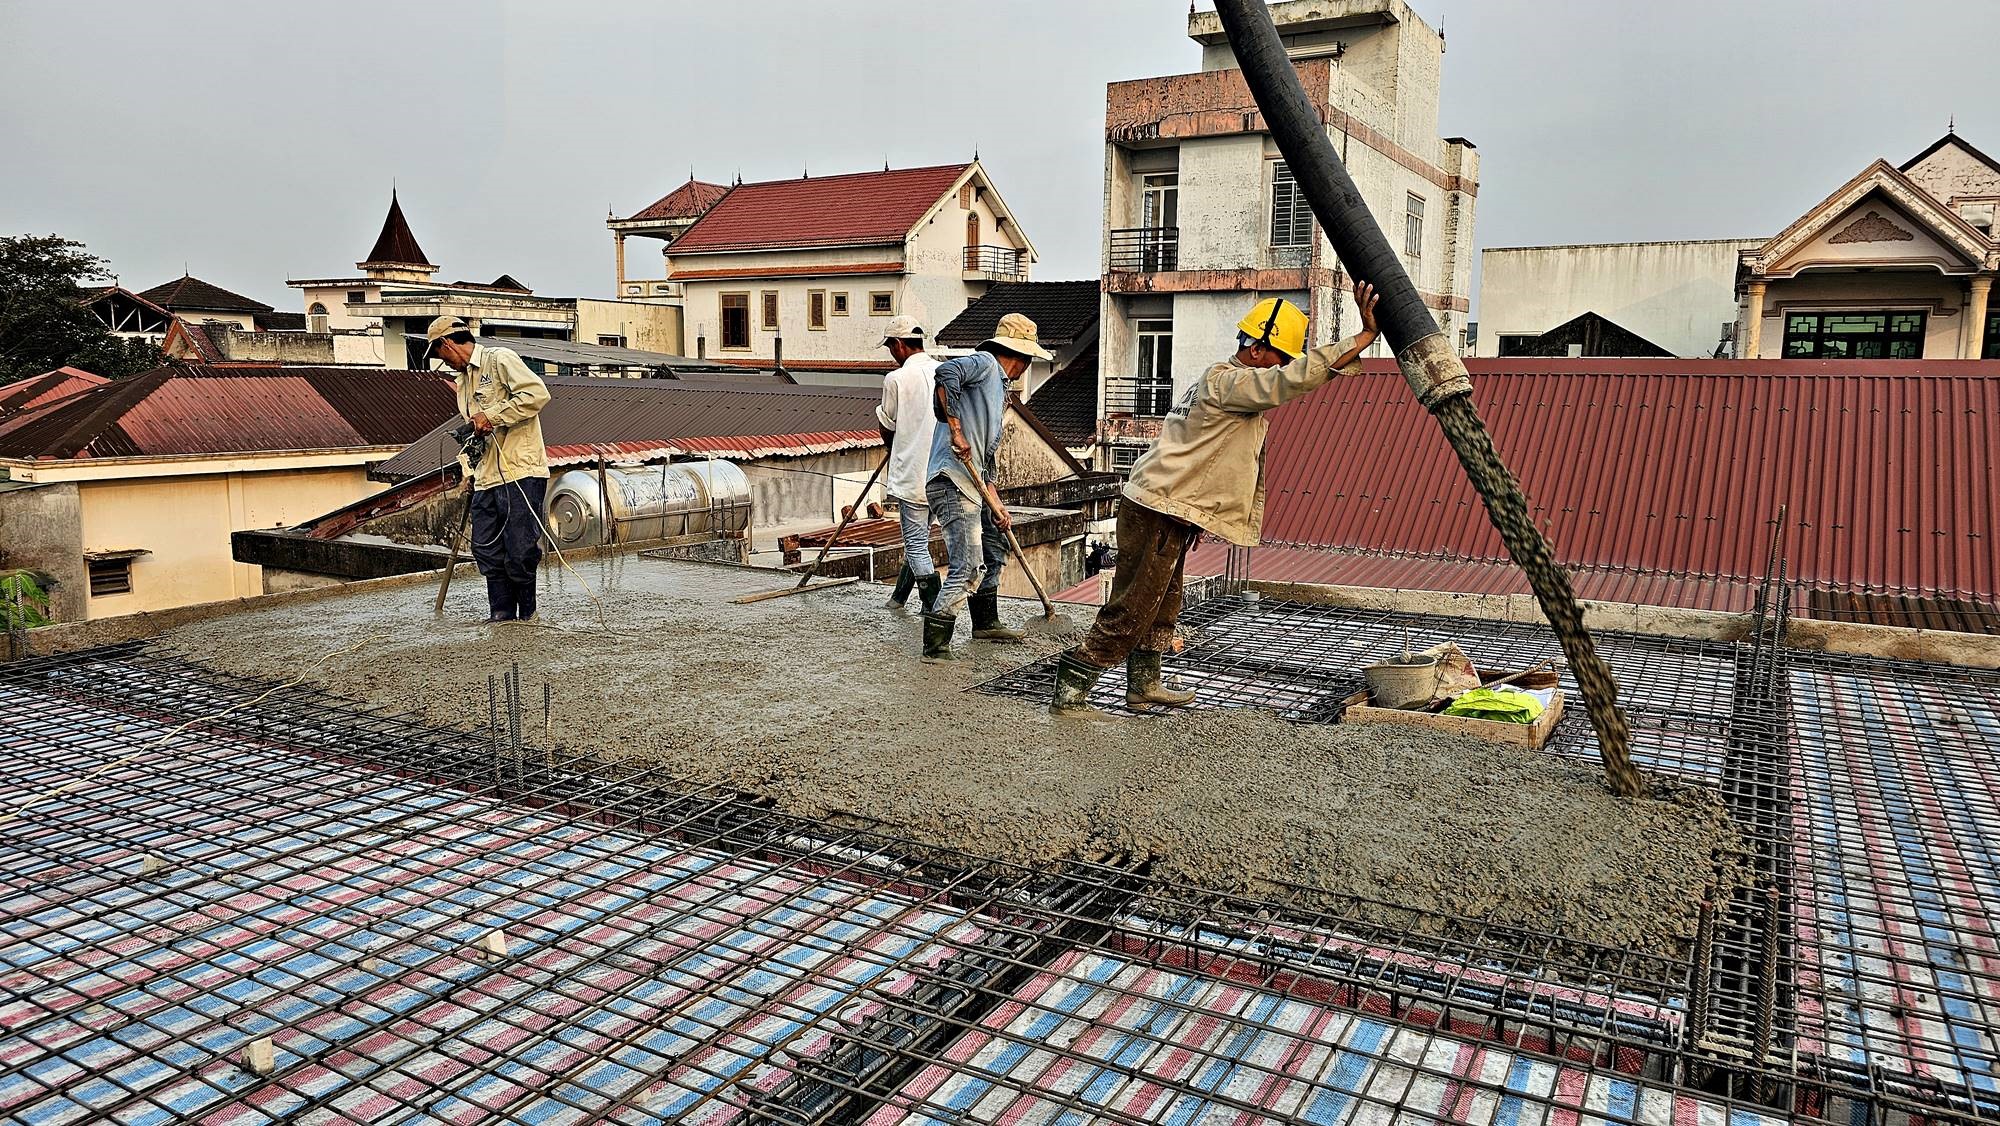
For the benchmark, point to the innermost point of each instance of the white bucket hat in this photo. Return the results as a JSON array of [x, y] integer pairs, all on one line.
[[1017, 334]]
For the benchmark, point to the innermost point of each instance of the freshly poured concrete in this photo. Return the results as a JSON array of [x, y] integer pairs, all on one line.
[[819, 701]]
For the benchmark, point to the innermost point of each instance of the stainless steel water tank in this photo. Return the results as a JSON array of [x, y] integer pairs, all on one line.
[[648, 502]]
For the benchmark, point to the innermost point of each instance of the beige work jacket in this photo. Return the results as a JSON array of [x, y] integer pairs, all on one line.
[[1207, 467], [512, 395]]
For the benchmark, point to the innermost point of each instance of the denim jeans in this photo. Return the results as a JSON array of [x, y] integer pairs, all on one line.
[[972, 543], [916, 520]]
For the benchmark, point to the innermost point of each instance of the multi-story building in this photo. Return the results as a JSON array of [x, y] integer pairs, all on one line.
[[814, 267], [1202, 218], [1898, 263]]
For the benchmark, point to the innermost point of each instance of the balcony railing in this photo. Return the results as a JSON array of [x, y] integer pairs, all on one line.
[[997, 263], [1146, 249], [1138, 398]]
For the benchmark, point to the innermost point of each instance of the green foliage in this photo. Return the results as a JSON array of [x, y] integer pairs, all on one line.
[[43, 323], [23, 602]]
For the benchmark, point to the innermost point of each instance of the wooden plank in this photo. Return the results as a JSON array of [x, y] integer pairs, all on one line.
[[1359, 711], [783, 591]]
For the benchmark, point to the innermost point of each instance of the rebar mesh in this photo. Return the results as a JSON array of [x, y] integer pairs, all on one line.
[[428, 925]]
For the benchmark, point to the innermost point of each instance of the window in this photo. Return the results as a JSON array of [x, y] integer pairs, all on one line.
[[1291, 219], [965, 195], [769, 298], [1854, 336], [1413, 227], [1517, 344], [316, 318], [1153, 383], [882, 303], [1123, 458], [1990, 349], [840, 304], [816, 309], [735, 320], [972, 229], [1160, 200], [609, 340], [357, 297], [110, 576]]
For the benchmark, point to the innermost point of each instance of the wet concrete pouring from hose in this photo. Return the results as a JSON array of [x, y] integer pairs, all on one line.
[[820, 703]]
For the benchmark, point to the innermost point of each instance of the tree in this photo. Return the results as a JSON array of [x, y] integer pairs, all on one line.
[[43, 321]]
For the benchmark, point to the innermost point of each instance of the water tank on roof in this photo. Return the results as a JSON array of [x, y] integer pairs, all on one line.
[[648, 502]]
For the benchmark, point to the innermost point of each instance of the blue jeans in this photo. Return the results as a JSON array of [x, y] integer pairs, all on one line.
[[916, 523], [972, 543]]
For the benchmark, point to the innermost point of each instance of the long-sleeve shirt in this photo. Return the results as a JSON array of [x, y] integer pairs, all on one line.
[[975, 387], [907, 397], [1207, 467], [497, 382]]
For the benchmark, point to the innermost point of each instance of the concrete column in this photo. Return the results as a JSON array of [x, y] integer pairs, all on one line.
[[618, 293], [1753, 327], [1973, 336]]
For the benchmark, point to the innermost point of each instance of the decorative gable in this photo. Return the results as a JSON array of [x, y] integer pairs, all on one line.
[[1879, 218], [1950, 168]]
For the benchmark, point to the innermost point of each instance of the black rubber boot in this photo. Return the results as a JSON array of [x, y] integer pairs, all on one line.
[[524, 601], [927, 590], [905, 579], [1143, 687], [937, 636], [499, 599], [1074, 679], [986, 620]]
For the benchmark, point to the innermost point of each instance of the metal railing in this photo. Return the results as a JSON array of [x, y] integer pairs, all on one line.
[[1002, 263], [1136, 397], [1146, 249]]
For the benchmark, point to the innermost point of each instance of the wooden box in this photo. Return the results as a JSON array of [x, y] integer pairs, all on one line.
[[1356, 709]]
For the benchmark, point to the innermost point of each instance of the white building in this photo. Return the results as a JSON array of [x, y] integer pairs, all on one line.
[[1680, 296], [1201, 217], [816, 266]]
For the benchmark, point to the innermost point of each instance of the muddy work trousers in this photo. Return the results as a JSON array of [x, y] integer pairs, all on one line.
[[1145, 590], [507, 543]]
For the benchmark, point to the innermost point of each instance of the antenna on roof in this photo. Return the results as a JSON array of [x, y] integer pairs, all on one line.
[[1951, 123], [805, 173], [885, 162]]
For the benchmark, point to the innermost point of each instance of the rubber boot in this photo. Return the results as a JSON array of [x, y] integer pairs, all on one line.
[[1143, 688], [524, 601], [927, 591], [499, 598], [986, 619], [905, 579], [937, 636], [1074, 679]]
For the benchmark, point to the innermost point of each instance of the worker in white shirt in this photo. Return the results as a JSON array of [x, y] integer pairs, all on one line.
[[907, 419]]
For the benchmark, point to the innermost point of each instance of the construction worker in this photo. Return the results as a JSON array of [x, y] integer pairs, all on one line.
[[971, 404], [1205, 472], [502, 399], [907, 419]]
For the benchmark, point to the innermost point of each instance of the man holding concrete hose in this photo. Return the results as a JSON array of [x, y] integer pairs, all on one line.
[[503, 399], [1204, 473]]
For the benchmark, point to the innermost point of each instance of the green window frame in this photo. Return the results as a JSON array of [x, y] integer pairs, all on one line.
[[1871, 334]]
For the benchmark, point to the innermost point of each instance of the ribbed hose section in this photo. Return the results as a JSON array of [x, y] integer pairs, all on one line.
[[1435, 374]]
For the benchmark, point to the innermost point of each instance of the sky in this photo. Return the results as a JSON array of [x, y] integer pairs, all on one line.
[[251, 142]]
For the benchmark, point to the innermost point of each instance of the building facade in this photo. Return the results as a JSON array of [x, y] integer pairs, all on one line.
[[1202, 218], [1898, 263], [809, 270], [1680, 296]]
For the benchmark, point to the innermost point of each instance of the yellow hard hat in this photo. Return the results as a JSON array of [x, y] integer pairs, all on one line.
[[1277, 322]]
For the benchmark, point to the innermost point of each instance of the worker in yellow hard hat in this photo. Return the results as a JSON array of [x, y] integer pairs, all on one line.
[[1205, 473]]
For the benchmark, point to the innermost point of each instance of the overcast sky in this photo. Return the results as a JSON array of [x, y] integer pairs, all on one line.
[[252, 142]]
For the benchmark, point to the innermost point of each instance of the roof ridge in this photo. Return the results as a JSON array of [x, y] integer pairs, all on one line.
[[961, 166]]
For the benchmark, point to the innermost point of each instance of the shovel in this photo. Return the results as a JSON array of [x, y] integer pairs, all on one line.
[[1052, 623], [800, 587], [444, 584]]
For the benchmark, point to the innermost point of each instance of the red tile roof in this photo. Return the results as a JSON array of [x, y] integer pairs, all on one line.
[[689, 201], [40, 390], [858, 209], [242, 409], [805, 271], [191, 294], [1890, 470]]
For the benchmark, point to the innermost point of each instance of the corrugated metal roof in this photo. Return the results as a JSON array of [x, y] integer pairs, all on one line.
[[858, 209], [197, 409], [656, 417], [41, 390], [1887, 468]]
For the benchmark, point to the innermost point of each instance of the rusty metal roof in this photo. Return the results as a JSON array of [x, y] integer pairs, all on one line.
[[1889, 470], [40, 390], [198, 409], [648, 418]]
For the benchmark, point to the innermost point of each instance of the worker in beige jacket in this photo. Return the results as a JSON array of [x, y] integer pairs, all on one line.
[[503, 399], [1204, 473]]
